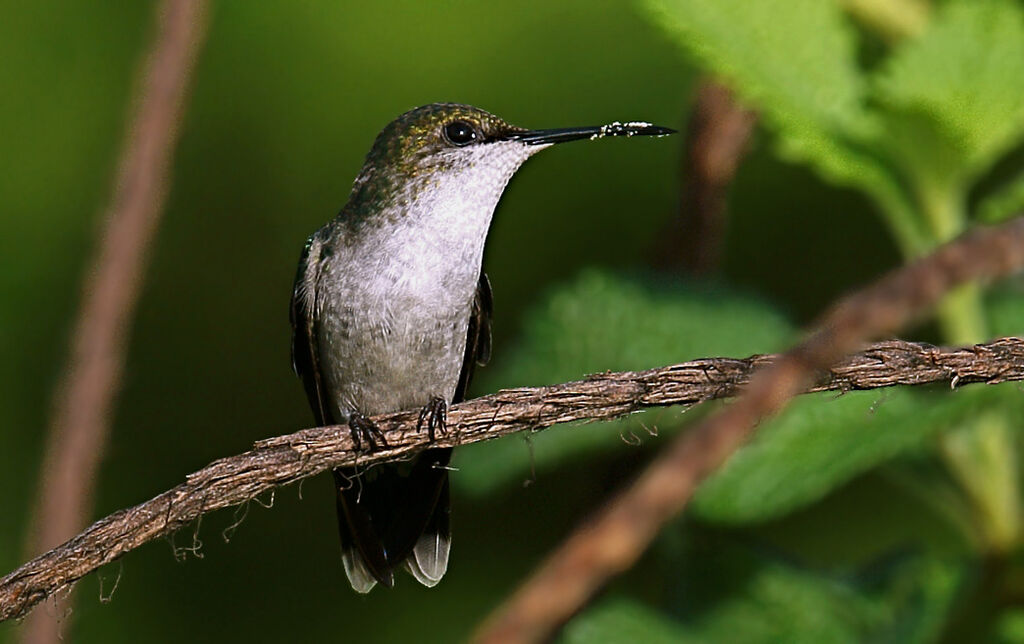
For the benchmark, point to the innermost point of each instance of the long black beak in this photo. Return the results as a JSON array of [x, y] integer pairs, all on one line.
[[547, 137]]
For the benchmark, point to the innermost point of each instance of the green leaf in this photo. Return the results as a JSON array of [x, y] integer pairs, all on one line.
[[893, 20], [779, 603], [821, 442], [966, 74], [606, 322], [620, 619], [722, 590], [1004, 203], [793, 59], [795, 62], [603, 321]]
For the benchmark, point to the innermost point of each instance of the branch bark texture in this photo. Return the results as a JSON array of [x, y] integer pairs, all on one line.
[[287, 459], [611, 542]]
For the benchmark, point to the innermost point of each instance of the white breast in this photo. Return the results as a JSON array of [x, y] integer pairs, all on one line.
[[395, 324]]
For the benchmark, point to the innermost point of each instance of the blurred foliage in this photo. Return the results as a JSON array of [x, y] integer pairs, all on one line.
[[937, 112], [838, 522], [623, 620], [732, 593], [822, 441], [965, 75], [803, 76], [604, 322], [1004, 204]]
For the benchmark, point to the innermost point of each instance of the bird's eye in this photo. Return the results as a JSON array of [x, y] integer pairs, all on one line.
[[459, 133]]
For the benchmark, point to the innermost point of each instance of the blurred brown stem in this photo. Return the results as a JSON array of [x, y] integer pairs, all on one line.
[[82, 405], [283, 460], [716, 140], [611, 542]]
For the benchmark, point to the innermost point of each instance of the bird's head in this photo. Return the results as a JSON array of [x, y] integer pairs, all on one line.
[[452, 148]]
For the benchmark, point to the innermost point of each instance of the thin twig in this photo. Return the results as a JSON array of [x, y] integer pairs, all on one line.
[[611, 543], [717, 139], [82, 405], [283, 460]]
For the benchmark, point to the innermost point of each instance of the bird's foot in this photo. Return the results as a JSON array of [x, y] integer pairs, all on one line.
[[435, 416], [364, 429]]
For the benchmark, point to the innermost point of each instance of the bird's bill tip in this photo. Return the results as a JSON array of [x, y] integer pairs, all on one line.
[[548, 137]]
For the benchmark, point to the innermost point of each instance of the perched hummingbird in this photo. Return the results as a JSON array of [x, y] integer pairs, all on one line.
[[391, 311]]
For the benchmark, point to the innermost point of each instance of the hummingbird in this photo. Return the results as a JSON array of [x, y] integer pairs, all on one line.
[[391, 311]]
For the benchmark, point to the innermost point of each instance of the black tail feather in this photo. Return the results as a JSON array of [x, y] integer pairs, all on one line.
[[382, 514], [356, 529]]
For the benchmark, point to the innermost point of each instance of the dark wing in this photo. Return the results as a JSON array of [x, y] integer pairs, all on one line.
[[362, 549], [478, 338], [305, 358]]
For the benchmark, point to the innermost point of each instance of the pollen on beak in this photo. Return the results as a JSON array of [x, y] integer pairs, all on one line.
[[548, 137]]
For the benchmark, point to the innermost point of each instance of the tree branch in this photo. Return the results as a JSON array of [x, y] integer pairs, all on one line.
[[82, 404], [283, 460], [613, 540], [716, 141]]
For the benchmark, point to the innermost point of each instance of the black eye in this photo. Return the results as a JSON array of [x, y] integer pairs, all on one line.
[[460, 133]]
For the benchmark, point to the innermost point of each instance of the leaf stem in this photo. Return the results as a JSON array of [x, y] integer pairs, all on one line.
[[981, 455], [982, 458]]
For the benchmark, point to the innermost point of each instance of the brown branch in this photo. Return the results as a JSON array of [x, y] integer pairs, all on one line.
[[287, 459], [716, 141], [82, 404], [611, 543]]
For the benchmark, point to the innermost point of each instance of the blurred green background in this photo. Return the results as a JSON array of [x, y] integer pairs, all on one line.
[[841, 525]]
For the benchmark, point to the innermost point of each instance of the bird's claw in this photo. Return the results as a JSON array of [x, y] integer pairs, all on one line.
[[435, 416], [362, 428]]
